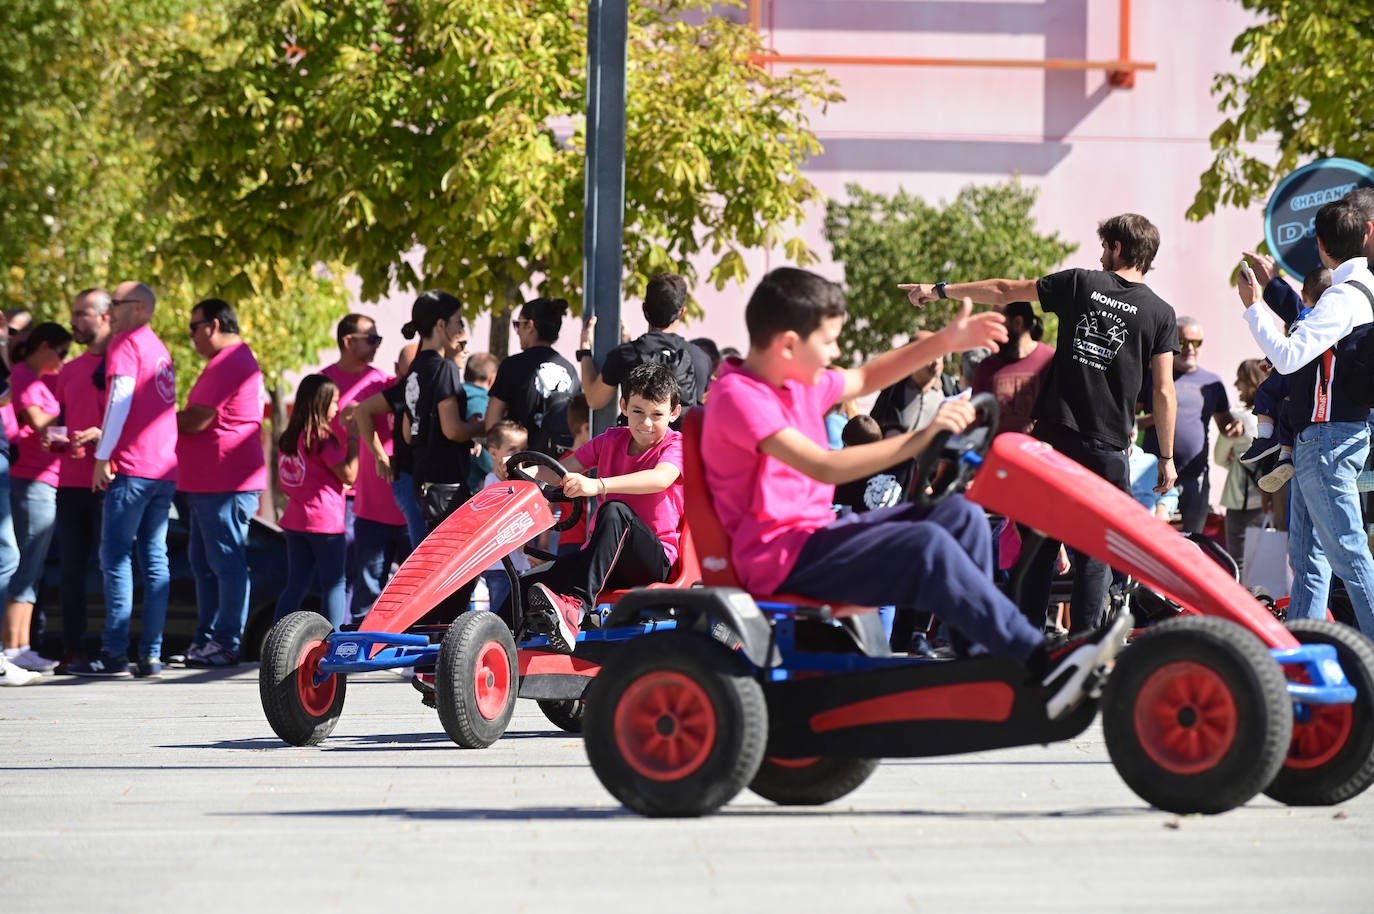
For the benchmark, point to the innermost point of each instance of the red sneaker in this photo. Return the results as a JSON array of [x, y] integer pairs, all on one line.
[[558, 616]]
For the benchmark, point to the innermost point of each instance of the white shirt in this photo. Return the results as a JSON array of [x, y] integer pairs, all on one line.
[[1341, 309]]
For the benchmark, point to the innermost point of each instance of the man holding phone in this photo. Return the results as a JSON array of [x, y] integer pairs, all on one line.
[[1112, 328]]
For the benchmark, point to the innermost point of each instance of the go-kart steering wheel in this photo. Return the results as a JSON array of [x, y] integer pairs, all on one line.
[[553, 493], [945, 466]]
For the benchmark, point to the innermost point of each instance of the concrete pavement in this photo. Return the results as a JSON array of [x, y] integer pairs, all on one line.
[[138, 796]]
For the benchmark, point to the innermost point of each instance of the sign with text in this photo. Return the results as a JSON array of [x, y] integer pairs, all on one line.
[[1289, 219]]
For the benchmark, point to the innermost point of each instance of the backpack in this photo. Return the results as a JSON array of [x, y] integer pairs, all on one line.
[[1355, 359], [676, 357], [548, 423]]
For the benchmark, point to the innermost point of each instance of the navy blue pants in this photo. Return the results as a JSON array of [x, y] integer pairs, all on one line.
[[940, 561]]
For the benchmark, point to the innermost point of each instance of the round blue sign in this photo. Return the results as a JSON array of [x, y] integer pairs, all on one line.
[[1289, 218]]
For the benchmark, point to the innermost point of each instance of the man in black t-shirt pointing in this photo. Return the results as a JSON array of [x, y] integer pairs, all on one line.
[[1112, 329]]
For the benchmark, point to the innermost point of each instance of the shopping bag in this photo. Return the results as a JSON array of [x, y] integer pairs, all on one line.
[[1266, 559]]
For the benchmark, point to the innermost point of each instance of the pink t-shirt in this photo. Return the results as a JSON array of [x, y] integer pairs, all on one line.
[[147, 445], [315, 496], [227, 455], [768, 509], [372, 496], [610, 453], [34, 463], [83, 406], [7, 419]]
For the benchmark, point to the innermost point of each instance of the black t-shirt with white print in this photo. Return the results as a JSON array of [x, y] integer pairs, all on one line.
[[1109, 329], [526, 381], [435, 457]]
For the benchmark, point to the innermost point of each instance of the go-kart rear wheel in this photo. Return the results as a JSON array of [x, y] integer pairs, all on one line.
[[675, 725], [1331, 757], [301, 705], [810, 781], [564, 713], [1196, 716], [476, 680]]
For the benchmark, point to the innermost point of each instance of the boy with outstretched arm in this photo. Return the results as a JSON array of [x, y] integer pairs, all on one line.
[[634, 536], [772, 478]]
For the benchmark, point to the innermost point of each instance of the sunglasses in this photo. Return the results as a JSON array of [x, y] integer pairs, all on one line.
[[520, 320], [194, 324], [462, 344], [1195, 344], [371, 339], [123, 301]]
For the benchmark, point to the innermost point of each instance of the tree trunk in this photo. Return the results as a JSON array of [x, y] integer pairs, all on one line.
[[499, 344]]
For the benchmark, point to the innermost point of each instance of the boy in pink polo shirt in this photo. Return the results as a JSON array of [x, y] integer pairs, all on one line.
[[772, 478], [136, 466], [634, 538], [220, 434]]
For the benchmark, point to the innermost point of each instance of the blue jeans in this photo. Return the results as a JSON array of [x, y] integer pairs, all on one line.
[[9, 549], [78, 531], [218, 554], [1325, 526], [306, 555], [135, 518], [377, 546], [941, 561], [34, 505], [404, 491]]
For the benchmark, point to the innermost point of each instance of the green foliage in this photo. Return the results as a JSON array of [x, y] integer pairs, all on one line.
[[365, 131], [986, 232], [1308, 80]]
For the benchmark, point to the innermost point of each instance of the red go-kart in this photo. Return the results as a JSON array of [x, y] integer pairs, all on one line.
[[797, 699], [472, 669]]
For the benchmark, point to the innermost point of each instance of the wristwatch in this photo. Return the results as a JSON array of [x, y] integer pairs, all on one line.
[[940, 289], [583, 354]]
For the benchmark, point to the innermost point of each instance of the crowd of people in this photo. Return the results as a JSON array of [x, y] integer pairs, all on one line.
[[371, 461]]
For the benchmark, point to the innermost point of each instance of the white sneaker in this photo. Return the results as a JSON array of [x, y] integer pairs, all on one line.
[[11, 675], [30, 659], [1079, 665]]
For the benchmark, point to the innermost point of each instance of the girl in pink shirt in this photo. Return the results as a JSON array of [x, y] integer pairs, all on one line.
[[33, 484], [314, 469]]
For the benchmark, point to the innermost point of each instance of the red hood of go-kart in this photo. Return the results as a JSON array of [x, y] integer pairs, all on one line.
[[1031, 483], [488, 526]]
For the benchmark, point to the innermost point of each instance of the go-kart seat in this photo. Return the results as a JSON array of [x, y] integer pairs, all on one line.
[[712, 543], [686, 571]]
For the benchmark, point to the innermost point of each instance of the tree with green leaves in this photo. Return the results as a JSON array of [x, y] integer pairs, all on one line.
[[442, 144], [1308, 80], [77, 186], [882, 241]]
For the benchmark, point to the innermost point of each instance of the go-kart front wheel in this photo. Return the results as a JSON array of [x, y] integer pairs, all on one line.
[[810, 781], [1196, 716], [301, 705], [675, 725], [564, 713], [476, 680], [1331, 757]]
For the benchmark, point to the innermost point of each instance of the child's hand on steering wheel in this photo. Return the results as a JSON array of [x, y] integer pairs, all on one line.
[[953, 416], [575, 485]]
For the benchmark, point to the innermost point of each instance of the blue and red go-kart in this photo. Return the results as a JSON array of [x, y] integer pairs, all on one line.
[[473, 669], [798, 700]]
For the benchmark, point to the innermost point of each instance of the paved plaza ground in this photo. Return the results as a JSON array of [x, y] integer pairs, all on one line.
[[175, 795]]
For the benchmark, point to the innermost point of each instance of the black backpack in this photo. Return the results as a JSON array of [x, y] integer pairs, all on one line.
[[548, 427], [678, 358], [1355, 359]]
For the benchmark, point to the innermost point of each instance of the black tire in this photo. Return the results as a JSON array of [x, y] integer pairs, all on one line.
[[675, 725], [1331, 757], [564, 713], [1196, 716], [476, 680], [810, 782], [300, 711]]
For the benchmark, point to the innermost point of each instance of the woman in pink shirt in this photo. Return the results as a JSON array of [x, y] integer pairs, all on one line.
[[33, 484], [314, 469]]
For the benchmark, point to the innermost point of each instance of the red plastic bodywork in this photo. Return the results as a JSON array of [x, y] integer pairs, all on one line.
[[1029, 482], [989, 702], [488, 526]]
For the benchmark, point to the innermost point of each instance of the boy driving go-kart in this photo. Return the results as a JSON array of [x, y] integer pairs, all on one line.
[[771, 478]]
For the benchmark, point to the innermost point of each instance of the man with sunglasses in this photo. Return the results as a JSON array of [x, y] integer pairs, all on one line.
[[357, 379], [1112, 329], [1202, 399], [220, 434], [136, 467], [80, 391]]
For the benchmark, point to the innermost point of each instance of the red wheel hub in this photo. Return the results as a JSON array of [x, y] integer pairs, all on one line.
[[1320, 732], [316, 699], [1185, 717], [491, 680], [665, 726]]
